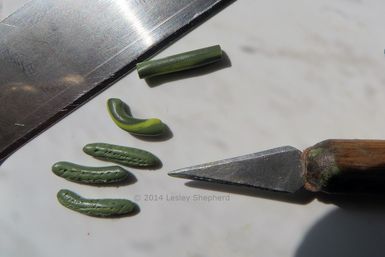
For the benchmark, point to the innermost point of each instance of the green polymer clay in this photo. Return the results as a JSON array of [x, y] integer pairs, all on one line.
[[121, 115], [90, 175], [179, 62], [127, 156], [95, 207]]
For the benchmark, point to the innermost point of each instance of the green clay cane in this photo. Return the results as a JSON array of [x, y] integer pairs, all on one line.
[[179, 62]]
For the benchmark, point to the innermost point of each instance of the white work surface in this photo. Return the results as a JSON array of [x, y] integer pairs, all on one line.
[[301, 71]]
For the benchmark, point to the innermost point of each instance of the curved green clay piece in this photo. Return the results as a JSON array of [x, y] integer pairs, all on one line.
[[127, 156], [121, 115], [90, 175], [179, 62], [95, 207]]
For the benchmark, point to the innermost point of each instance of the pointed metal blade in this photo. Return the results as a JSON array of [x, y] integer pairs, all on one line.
[[278, 169]]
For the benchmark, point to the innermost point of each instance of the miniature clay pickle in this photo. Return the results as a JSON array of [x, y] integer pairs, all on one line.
[[95, 207], [90, 175], [128, 156]]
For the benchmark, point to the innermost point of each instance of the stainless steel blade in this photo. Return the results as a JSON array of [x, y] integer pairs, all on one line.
[[54, 55], [278, 169]]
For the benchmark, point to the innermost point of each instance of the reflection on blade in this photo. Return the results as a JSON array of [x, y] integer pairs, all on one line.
[[137, 25], [54, 55]]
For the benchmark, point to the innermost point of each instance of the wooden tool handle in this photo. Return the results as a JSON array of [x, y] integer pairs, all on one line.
[[345, 166]]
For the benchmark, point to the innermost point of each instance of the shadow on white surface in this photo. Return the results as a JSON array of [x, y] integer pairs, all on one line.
[[300, 197], [166, 135], [200, 71], [346, 233], [303, 196]]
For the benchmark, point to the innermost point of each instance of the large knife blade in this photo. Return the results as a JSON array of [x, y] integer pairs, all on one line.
[[54, 55]]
